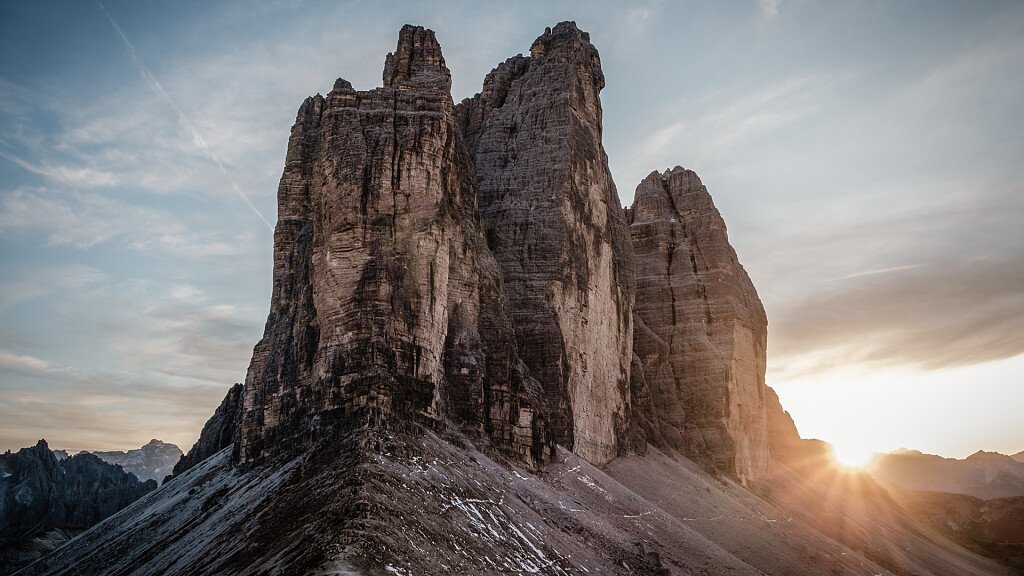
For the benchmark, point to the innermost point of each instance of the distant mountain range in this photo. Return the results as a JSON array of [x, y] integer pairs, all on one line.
[[47, 497], [977, 501], [983, 474], [154, 461]]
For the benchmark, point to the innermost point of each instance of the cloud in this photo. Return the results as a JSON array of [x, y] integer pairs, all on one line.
[[197, 138], [186, 293], [44, 280], [712, 128], [950, 312], [65, 175], [173, 358], [97, 411], [880, 271], [929, 285], [85, 219], [26, 364], [769, 9]]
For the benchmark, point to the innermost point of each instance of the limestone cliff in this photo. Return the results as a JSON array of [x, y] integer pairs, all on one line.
[[554, 224], [387, 308], [701, 331]]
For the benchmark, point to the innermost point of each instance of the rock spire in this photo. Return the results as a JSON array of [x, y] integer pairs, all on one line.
[[388, 308], [701, 331], [553, 221]]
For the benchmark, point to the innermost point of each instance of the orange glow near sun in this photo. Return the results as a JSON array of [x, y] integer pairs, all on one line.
[[851, 456]]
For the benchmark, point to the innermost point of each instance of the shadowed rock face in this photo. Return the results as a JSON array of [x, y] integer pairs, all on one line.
[[700, 332], [46, 499], [387, 306], [554, 223], [220, 431]]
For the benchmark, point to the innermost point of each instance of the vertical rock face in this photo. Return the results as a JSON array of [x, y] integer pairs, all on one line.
[[219, 432], [387, 306], [700, 333], [554, 224]]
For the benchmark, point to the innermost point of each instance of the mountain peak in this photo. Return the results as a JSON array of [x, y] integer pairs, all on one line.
[[985, 455], [417, 61], [564, 40]]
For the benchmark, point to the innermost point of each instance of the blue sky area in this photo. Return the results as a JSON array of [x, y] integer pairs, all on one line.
[[865, 155]]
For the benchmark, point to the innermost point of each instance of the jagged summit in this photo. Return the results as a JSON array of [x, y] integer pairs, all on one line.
[[417, 62], [566, 36]]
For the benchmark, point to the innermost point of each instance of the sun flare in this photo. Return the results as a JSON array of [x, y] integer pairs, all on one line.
[[851, 456]]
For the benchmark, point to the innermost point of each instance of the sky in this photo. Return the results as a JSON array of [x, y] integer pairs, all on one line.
[[866, 157]]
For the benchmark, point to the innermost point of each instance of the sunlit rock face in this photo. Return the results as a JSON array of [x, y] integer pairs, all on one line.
[[554, 224], [701, 331], [387, 305]]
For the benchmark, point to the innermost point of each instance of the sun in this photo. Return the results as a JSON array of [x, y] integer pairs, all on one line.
[[851, 456]]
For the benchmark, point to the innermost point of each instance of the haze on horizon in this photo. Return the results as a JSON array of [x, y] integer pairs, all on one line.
[[865, 157]]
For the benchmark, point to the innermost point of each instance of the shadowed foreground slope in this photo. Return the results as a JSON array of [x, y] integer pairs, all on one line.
[[426, 506]]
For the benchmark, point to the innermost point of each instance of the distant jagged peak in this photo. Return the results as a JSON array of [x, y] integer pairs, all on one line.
[[985, 455]]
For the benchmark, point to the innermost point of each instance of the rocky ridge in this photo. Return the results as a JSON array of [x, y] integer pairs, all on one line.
[[982, 475], [992, 528], [45, 499]]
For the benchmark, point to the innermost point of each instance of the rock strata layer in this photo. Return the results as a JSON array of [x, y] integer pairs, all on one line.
[[700, 331], [388, 308], [554, 224]]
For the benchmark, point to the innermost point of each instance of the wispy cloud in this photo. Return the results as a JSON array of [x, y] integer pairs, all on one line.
[[25, 363], [175, 352], [769, 9], [65, 175], [879, 271], [710, 129], [197, 138], [43, 281], [960, 302], [84, 219]]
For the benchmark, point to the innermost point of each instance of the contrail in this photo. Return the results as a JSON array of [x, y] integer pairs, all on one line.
[[197, 138]]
